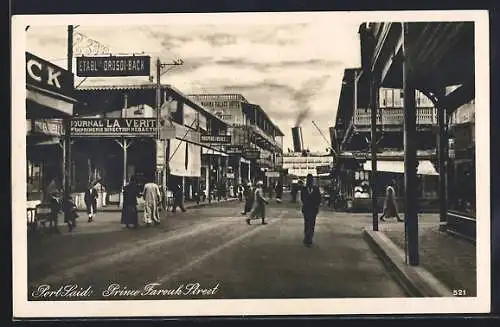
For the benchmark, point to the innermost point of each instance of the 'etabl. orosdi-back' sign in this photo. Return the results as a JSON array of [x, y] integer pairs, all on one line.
[[111, 66], [113, 127]]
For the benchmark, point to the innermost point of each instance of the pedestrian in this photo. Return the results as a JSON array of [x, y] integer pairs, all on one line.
[[152, 197], [248, 194], [90, 199], [241, 190], [129, 210], [390, 206], [70, 212], [310, 197], [279, 191], [178, 195], [259, 208]]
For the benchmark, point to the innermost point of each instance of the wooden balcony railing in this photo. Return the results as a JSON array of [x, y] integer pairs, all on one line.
[[394, 117]]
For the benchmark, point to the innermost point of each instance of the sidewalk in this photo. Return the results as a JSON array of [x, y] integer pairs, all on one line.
[[446, 261], [140, 206], [107, 218]]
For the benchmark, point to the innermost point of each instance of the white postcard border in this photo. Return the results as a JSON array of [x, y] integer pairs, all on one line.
[[24, 309]]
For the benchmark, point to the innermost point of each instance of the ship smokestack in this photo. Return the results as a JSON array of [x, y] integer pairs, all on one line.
[[298, 142]]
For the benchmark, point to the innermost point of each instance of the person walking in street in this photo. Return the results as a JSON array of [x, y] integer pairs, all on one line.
[[310, 197], [178, 195], [259, 209], [152, 197], [390, 206], [279, 191], [241, 191], [90, 199], [129, 210], [248, 194], [70, 212]]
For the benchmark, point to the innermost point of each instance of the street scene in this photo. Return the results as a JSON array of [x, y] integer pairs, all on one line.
[[182, 167]]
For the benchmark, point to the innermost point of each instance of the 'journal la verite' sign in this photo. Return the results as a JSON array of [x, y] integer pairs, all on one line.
[[113, 127]]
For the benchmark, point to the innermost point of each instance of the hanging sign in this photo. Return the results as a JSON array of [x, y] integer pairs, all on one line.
[[251, 154], [110, 66], [113, 127], [160, 154], [324, 169], [272, 174], [218, 139], [233, 149]]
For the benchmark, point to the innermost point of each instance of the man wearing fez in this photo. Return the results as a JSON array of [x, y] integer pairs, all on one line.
[[311, 200]]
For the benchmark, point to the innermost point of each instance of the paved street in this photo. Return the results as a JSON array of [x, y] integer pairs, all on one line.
[[212, 246]]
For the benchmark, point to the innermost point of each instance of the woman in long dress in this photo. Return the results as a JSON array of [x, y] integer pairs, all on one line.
[[129, 210], [390, 205]]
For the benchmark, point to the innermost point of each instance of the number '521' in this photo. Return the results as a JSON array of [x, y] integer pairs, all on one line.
[[459, 293]]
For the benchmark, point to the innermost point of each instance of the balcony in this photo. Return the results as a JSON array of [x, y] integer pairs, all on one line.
[[262, 135], [394, 118]]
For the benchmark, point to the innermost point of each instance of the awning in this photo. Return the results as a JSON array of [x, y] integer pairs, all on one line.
[[212, 152], [245, 161], [50, 99], [425, 167]]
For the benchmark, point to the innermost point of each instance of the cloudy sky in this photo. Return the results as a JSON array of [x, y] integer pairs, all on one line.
[[287, 67]]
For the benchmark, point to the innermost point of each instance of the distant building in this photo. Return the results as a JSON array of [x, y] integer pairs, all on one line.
[[300, 166], [255, 140]]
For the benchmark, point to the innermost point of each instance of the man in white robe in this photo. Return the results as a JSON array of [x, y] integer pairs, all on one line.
[[152, 198]]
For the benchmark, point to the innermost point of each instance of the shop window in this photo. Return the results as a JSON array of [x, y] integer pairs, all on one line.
[[34, 179], [462, 188]]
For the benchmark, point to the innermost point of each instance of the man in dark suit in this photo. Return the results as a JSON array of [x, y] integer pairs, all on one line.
[[311, 200]]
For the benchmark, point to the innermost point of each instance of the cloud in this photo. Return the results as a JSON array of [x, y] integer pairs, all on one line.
[[287, 69]]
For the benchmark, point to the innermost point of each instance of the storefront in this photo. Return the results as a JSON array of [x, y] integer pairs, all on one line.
[[49, 99]]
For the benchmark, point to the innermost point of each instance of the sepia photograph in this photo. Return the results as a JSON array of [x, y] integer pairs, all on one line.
[[250, 164]]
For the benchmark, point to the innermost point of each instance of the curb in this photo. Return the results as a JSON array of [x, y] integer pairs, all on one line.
[[188, 206], [415, 280]]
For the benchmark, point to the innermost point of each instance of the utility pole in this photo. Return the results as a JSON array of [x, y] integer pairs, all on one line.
[[159, 141], [374, 108], [67, 134]]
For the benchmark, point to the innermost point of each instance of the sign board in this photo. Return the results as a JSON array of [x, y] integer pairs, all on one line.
[[325, 169], [233, 149], [186, 134], [45, 75], [160, 154], [219, 139], [251, 154], [272, 174], [110, 66], [230, 175], [167, 132], [113, 127], [52, 127]]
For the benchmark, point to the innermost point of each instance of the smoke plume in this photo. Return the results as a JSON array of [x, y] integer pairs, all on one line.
[[304, 96]]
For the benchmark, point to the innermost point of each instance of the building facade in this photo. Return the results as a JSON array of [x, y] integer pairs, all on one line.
[[49, 100], [124, 144], [299, 165], [255, 140], [351, 139]]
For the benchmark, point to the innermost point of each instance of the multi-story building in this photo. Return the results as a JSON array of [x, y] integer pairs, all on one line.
[[256, 146], [352, 135], [122, 140]]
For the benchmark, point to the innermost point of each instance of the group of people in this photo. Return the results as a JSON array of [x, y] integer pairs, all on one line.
[[154, 201]]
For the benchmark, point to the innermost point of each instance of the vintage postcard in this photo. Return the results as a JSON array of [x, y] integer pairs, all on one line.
[[250, 164]]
